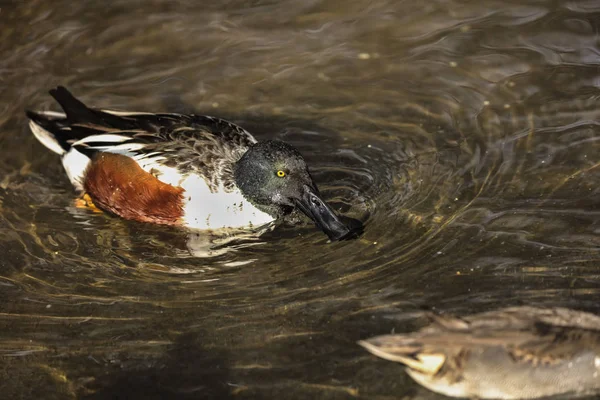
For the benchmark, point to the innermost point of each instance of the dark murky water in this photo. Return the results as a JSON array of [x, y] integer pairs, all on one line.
[[465, 132]]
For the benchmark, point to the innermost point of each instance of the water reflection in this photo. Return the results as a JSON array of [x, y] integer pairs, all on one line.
[[464, 133]]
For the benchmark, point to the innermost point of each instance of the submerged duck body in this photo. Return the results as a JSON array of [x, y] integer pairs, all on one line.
[[514, 353], [195, 171]]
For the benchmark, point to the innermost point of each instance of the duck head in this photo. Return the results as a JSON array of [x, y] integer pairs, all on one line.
[[274, 177]]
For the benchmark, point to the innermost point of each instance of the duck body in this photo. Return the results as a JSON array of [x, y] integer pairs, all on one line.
[[515, 353], [187, 170]]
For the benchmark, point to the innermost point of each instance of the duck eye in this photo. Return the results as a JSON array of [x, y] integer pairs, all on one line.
[[280, 173]]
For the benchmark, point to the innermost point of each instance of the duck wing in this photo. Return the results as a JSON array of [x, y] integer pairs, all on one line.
[[189, 143]]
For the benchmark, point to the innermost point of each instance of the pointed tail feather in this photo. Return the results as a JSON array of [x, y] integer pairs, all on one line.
[[58, 131], [77, 112], [404, 350], [46, 127]]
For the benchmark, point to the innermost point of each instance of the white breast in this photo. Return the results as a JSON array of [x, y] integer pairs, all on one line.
[[204, 209]]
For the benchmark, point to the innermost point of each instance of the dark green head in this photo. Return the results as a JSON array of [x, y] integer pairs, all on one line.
[[274, 177]]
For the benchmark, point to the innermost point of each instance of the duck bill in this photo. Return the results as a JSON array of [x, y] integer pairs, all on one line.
[[311, 204]]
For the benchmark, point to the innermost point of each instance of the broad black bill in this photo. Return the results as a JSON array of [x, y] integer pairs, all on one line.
[[335, 227]]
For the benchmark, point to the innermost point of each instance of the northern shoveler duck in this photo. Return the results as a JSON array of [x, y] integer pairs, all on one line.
[[195, 171], [514, 353]]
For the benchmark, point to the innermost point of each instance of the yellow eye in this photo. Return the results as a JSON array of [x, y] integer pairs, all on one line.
[[280, 173]]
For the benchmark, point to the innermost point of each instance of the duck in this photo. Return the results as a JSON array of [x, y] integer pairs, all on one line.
[[195, 171], [520, 352]]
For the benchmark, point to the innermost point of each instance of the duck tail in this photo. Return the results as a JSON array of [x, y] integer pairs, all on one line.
[[406, 350], [76, 111], [47, 127], [54, 129]]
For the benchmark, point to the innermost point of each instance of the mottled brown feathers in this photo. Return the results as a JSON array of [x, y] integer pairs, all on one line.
[[117, 184]]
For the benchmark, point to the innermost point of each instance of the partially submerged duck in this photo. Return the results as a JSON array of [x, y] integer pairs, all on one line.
[[195, 171], [514, 353]]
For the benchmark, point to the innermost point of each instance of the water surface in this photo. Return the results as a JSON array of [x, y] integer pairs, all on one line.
[[465, 134]]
